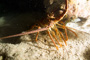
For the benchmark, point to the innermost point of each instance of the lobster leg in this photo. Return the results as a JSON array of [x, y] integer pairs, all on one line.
[[71, 31], [57, 32], [63, 38], [66, 34], [64, 27], [52, 40], [53, 34], [37, 34]]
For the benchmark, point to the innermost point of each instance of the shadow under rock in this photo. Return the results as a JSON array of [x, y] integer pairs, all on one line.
[[19, 16], [17, 23], [87, 55], [83, 20], [3, 56]]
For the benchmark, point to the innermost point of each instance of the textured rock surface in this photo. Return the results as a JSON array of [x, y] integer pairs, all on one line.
[[25, 47], [79, 8], [78, 48]]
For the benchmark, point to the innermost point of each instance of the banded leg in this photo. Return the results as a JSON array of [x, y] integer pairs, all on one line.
[[69, 29], [64, 27], [57, 32], [37, 32], [53, 34], [72, 31], [37, 35], [52, 40], [65, 30], [60, 35], [63, 38], [66, 34]]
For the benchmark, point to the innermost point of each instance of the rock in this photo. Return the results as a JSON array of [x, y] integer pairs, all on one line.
[[79, 8]]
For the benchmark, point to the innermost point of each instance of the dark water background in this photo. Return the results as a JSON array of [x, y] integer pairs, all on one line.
[[19, 16]]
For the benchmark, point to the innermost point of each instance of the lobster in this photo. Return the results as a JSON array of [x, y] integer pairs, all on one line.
[[52, 25]]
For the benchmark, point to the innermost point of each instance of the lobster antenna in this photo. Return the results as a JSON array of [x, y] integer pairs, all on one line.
[[25, 33]]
